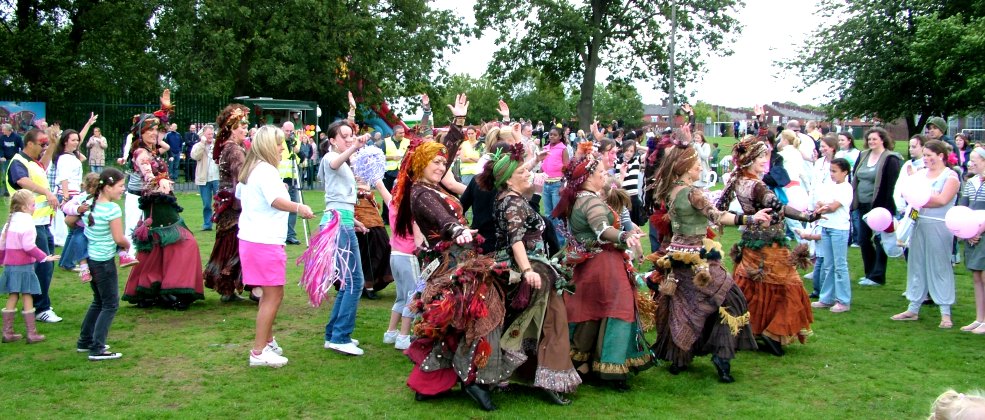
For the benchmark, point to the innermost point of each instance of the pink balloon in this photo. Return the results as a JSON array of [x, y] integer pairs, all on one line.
[[962, 222], [917, 192], [878, 219], [797, 198]]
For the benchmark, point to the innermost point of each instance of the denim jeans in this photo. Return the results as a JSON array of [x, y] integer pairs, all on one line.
[[292, 218], [46, 243], [173, 166], [836, 286], [3, 185], [654, 237], [207, 191], [552, 195], [343, 318], [105, 300], [818, 274], [96, 169]]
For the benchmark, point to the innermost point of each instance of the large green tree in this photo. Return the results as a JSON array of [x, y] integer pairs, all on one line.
[[60, 51], [570, 41], [619, 101], [910, 59], [308, 49]]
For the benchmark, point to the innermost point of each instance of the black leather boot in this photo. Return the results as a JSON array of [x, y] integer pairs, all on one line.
[[480, 395], [620, 386], [675, 369], [772, 346], [724, 367], [556, 398]]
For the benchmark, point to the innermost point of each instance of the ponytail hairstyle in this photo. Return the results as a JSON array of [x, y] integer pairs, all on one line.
[[108, 178]]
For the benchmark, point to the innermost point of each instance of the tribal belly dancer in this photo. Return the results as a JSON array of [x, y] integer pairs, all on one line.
[[606, 339], [536, 321], [223, 273], [765, 269], [700, 310], [461, 302], [170, 269]]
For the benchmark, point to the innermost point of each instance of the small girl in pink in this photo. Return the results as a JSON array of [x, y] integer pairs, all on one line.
[[405, 270], [19, 253]]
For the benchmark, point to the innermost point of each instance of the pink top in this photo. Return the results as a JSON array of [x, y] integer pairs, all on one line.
[[71, 207], [400, 243], [19, 248], [554, 161]]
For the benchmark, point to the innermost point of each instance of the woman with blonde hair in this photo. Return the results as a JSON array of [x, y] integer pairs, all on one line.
[[265, 206]]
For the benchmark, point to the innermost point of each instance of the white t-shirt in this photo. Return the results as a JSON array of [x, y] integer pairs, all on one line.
[[842, 193], [260, 222], [69, 168]]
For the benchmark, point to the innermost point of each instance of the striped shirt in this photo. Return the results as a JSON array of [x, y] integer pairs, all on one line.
[[102, 247], [631, 183]]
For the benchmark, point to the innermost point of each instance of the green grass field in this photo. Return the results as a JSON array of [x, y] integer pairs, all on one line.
[[193, 364]]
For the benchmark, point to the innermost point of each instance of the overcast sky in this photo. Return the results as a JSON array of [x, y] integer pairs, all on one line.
[[747, 77]]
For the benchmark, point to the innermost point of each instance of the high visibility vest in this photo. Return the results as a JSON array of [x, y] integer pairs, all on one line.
[[42, 211], [286, 166], [393, 150]]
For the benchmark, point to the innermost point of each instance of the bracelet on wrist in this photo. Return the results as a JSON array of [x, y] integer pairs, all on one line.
[[528, 270]]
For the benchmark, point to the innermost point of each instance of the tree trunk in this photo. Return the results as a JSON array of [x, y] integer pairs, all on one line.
[[914, 127], [585, 109]]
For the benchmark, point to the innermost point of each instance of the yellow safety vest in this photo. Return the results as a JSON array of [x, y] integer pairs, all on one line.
[[286, 166], [393, 150], [42, 211], [470, 168]]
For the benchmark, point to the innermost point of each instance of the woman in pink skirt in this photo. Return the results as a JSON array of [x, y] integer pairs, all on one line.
[[263, 230]]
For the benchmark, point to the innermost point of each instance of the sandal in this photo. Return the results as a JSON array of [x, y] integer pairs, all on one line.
[[905, 316], [971, 326], [946, 324], [979, 330]]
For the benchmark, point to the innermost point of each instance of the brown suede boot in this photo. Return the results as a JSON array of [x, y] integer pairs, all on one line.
[[32, 331], [8, 327]]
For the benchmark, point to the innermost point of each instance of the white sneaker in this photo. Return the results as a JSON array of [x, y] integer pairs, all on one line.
[[267, 358], [105, 356], [390, 337], [272, 345], [402, 342], [349, 348], [48, 316], [351, 340], [867, 282], [809, 276]]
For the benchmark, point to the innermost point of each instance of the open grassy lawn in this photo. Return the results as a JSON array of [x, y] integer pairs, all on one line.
[[194, 364]]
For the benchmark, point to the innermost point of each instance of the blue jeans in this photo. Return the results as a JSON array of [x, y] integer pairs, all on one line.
[[3, 168], [818, 278], [173, 166], [46, 243], [343, 318], [836, 286], [654, 238], [96, 169], [207, 191], [105, 286], [552, 195], [292, 218]]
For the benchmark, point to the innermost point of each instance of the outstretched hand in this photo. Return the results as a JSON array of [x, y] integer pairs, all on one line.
[[166, 99], [461, 106], [352, 101], [503, 109], [425, 101]]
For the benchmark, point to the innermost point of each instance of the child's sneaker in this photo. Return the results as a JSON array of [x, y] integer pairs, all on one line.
[[402, 343], [85, 275], [390, 337], [126, 260]]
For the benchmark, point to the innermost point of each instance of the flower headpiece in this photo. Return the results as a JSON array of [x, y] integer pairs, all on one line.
[[579, 170], [505, 162], [238, 116]]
